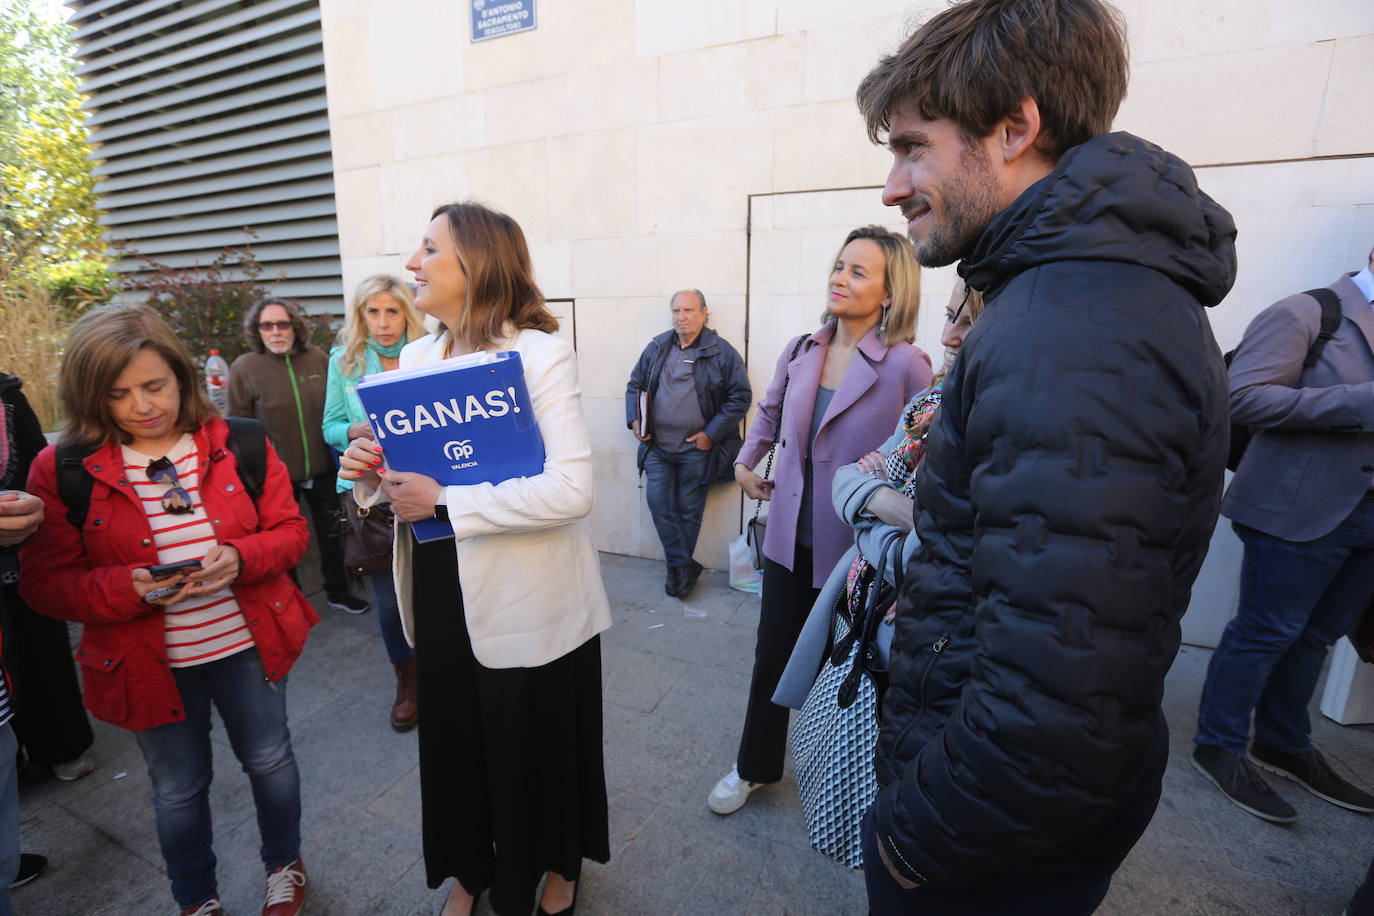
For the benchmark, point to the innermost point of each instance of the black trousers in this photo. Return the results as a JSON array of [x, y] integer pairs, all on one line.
[[50, 721], [322, 499], [786, 602]]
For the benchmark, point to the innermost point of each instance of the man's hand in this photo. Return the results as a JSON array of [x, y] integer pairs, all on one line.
[[701, 441], [904, 883], [634, 426], [413, 496], [360, 430], [754, 486], [20, 515]]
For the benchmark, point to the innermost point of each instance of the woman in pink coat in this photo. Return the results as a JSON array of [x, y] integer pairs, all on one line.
[[846, 385]]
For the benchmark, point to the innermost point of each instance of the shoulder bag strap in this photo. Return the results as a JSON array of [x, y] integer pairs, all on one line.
[[1331, 321], [777, 427]]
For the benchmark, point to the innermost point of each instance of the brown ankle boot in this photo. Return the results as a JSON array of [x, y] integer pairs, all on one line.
[[406, 709]]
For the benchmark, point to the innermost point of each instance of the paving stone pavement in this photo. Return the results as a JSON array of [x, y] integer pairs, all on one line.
[[676, 674]]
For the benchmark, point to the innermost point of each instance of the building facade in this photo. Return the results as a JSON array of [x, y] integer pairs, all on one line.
[[209, 118]]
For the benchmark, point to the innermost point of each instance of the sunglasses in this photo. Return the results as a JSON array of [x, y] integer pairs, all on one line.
[[176, 501], [274, 325]]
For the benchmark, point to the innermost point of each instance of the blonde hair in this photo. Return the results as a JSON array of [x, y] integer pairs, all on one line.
[[353, 335], [100, 345], [901, 281], [495, 260]]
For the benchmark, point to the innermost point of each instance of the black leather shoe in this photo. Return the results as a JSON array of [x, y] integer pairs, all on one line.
[[31, 865], [672, 586], [1314, 774], [690, 574]]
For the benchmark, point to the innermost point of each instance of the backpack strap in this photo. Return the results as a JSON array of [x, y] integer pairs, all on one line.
[[1331, 321], [73, 483], [247, 442]]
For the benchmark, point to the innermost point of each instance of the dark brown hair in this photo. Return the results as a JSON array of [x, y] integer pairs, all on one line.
[[495, 260], [974, 62], [253, 337], [99, 346]]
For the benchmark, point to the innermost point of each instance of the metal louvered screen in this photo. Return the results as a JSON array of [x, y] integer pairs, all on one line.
[[209, 117]]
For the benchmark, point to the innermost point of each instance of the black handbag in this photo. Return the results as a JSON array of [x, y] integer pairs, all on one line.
[[758, 527], [367, 536]]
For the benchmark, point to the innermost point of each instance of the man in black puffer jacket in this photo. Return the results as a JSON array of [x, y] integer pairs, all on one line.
[[1074, 472]]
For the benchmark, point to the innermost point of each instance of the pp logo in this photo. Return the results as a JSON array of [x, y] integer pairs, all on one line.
[[460, 450]]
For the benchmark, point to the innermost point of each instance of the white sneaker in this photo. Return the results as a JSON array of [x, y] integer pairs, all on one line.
[[731, 792], [73, 770]]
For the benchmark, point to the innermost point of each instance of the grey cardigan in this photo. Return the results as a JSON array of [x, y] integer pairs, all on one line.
[[850, 492], [1312, 458]]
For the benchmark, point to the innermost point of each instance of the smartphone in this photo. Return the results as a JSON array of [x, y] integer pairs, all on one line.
[[164, 570], [158, 594]]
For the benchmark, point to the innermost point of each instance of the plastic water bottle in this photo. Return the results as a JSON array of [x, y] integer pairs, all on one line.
[[217, 381]]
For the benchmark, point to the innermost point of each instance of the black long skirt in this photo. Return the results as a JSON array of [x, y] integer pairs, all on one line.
[[512, 779]]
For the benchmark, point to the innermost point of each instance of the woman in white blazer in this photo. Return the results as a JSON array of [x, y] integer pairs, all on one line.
[[512, 781]]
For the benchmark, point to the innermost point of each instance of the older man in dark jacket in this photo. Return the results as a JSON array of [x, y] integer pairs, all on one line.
[[699, 391], [1074, 472]]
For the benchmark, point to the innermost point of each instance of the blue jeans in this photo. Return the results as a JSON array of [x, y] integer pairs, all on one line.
[[389, 618], [179, 759], [677, 499], [1021, 894], [1296, 600]]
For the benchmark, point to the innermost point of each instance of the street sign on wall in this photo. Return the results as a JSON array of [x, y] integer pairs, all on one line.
[[496, 18]]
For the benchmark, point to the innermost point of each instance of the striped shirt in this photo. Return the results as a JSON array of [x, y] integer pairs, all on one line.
[[204, 628], [6, 712]]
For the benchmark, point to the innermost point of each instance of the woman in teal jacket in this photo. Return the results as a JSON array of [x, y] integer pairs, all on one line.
[[380, 321]]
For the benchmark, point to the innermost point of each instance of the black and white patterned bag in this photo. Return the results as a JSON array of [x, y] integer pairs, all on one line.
[[835, 734]]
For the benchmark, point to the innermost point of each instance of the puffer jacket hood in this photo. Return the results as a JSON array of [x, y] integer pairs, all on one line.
[[1115, 198]]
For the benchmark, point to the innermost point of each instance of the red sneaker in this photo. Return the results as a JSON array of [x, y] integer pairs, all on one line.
[[285, 890], [208, 908]]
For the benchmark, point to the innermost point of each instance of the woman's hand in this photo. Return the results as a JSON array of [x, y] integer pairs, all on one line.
[[360, 430], [20, 515], [361, 460], [413, 496], [754, 486], [145, 583], [892, 507], [220, 566], [874, 464]]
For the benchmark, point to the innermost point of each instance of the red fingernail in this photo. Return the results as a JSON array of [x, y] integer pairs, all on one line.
[[377, 449], [381, 471], [376, 461]]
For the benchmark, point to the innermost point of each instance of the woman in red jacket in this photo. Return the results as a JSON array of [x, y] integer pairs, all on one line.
[[164, 487]]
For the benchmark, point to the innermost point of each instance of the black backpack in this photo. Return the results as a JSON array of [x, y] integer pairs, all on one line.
[[1331, 320], [247, 442]]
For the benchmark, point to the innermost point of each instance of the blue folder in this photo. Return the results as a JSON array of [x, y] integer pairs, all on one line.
[[462, 421]]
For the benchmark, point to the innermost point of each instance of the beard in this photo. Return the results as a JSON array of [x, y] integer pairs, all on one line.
[[970, 203]]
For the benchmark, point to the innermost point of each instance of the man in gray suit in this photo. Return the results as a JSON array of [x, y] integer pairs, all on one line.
[[1302, 502]]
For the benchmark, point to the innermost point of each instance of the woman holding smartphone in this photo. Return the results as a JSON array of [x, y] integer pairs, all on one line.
[[173, 551], [504, 617]]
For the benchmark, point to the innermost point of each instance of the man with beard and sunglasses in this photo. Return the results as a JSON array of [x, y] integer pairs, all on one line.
[[1074, 473]]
